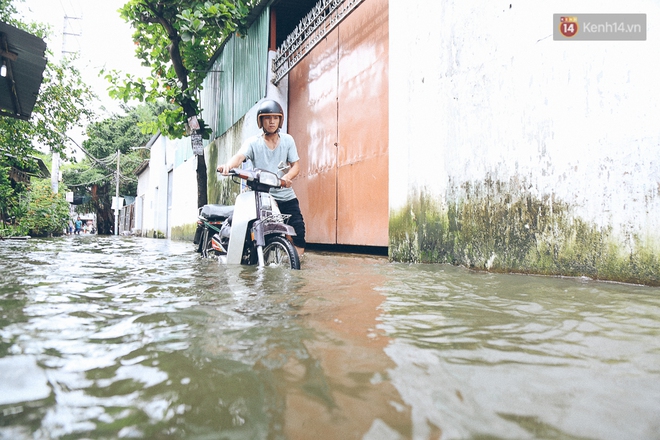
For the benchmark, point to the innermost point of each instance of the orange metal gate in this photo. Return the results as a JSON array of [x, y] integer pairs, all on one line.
[[338, 115]]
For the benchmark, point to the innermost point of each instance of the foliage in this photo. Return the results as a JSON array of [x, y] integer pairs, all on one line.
[[10, 195], [41, 213], [62, 104], [177, 39], [8, 12], [94, 178], [120, 132]]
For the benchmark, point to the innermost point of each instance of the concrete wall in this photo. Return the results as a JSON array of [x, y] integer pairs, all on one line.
[[152, 193], [183, 215], [513, 152], [153, 219], [141, 202]]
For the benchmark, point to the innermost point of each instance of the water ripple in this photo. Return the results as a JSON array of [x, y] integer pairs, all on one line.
[[111, 337]]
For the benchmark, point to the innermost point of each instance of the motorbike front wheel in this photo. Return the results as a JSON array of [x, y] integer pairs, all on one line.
[[280, 252]]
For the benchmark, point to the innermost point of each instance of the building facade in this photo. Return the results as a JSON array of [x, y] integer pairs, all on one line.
[[448, 133]]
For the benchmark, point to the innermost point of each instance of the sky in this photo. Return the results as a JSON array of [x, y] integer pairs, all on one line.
[[103, 40], [95, 29]]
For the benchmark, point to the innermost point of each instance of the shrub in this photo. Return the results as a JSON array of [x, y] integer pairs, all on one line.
[[47, 213]]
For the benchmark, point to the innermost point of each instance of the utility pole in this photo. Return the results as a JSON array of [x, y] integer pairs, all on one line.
[[55, 173], [71, 33], [72, 29], [116, 204]]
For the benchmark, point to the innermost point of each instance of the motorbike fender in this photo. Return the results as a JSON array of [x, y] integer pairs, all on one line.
[[279, 228], [244, 212], [262, 230]]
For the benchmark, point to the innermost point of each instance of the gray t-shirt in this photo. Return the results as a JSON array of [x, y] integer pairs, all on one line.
[[256, 150]]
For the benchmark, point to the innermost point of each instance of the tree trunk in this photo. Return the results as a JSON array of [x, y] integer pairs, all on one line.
[[189, 107], [101, 205], [105, 220], [202, 197]]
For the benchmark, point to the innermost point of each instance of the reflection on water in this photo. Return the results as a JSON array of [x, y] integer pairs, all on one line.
[[111, 337]]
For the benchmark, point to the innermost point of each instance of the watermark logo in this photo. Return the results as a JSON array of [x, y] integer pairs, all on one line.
[[599, 27], [568, 26]]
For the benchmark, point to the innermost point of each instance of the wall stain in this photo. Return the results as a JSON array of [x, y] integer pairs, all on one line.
[[184, 232], [503, 227], [223, 191], [150, 233], [212, 186]]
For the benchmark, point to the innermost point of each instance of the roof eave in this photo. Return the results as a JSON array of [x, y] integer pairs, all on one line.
[[23, 56]]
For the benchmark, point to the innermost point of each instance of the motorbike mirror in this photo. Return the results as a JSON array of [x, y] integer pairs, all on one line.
[[282, 169]]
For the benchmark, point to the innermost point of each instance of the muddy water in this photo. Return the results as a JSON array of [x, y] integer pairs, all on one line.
[[109, 337]]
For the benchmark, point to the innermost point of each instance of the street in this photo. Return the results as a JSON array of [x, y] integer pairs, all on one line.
[[111, 337]]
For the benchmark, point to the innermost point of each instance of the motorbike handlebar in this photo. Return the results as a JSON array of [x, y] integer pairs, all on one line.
[[259, 176], [255, 173]]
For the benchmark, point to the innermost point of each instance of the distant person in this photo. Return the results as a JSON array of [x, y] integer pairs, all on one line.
[[78, 226], [70, 228]]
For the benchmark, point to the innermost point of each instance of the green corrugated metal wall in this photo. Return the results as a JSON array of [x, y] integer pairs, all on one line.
[[237, 79]]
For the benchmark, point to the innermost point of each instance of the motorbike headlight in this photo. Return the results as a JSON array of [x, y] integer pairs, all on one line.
[[268, 178]]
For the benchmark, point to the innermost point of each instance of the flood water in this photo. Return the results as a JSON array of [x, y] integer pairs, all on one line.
[[115, 337]]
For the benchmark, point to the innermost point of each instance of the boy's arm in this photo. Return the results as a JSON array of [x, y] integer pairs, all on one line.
[[235, 161], [293, 172]]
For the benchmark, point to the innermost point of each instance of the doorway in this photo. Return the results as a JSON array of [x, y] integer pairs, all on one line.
[[338, 115]]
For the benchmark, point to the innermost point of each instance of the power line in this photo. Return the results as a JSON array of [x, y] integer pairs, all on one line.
[[89, 183]]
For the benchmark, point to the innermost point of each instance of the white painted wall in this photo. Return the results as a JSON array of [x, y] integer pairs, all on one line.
[[152, 188], [141, 201], [481, 88], [184, 193]]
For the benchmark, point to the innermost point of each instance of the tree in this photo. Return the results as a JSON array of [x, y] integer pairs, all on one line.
[[63, 103], [94, 178], [8, 12], [177, 39]]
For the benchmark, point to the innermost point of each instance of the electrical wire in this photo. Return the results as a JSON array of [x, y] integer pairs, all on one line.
[[105, 163], [90, 183]]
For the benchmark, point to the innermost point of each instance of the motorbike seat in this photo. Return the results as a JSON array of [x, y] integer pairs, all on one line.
[[216, 212]]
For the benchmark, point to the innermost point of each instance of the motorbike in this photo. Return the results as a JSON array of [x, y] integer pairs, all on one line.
[[251, 232]]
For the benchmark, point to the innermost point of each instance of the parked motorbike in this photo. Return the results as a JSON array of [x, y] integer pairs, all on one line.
[[253, 231]]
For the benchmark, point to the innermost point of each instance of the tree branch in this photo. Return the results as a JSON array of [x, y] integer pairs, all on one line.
[[157, 16]]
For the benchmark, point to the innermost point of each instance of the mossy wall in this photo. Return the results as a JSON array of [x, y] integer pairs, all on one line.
[[502, 227], [222, 190], [150, 233], [474, 108], [184, 232]]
